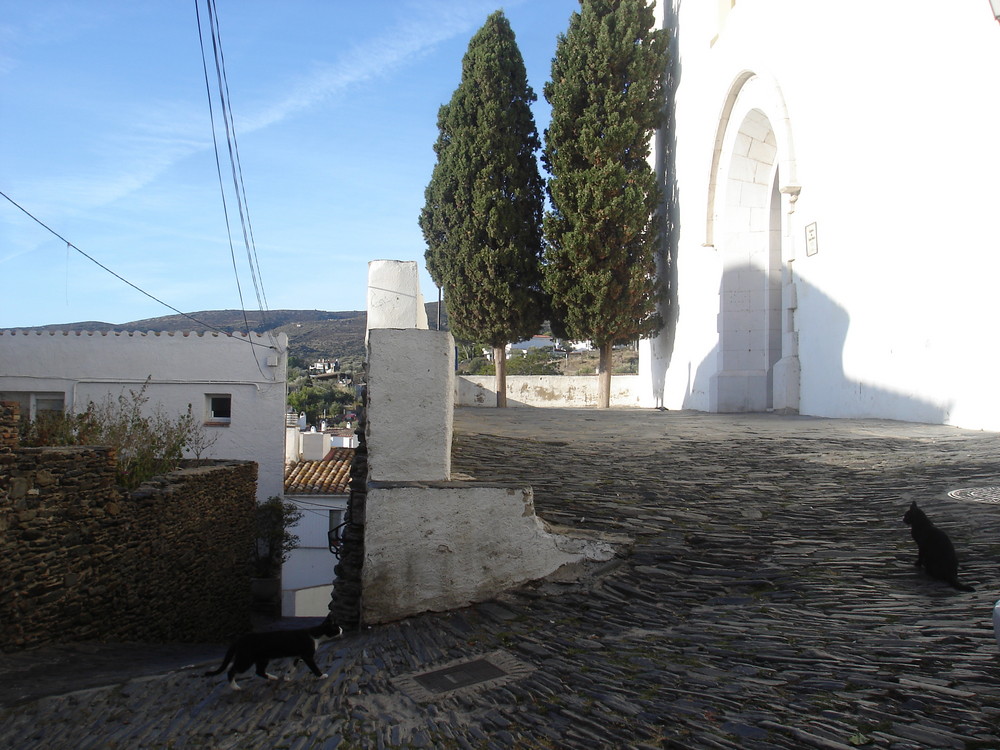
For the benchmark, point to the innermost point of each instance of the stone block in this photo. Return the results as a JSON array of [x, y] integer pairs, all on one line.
[[394, 298], [411, 385], [439, 546]]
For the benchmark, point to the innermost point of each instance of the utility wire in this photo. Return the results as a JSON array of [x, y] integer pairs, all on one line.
[[104, 267], [238, 183], [218, 163], [236, 168]]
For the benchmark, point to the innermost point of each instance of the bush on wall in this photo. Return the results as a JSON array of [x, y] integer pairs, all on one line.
[[147, 441]]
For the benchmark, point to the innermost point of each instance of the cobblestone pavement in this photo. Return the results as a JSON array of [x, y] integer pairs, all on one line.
[[768, 599]]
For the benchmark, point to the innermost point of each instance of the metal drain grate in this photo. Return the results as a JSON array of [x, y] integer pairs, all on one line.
[[462, 675], [978, 494], [459, 676]]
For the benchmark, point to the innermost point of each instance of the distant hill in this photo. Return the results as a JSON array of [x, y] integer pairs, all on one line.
[[226, 320], [312, 334]]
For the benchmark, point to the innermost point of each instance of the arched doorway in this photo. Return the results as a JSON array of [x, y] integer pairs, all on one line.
[[757, 352]]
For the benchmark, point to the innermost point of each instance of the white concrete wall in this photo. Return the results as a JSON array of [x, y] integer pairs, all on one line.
[[410, 393], [394, 297], [547, 390], [883, 120], [312, 601], [182, 368], [434, 548], [315, 445], [292, 448]]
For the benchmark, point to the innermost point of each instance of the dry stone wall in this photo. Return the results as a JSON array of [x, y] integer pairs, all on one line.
[[9, 413], [81, 559]]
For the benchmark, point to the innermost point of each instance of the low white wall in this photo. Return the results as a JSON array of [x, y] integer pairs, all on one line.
[[308, 602], [546, 390]]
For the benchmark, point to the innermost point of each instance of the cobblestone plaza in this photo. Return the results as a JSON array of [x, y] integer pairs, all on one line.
[[766, 597]]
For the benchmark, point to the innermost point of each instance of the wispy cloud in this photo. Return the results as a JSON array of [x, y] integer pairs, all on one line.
[[420, 28], [161, 133]]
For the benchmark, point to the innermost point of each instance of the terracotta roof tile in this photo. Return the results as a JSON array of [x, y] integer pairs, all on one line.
[[331, 476]]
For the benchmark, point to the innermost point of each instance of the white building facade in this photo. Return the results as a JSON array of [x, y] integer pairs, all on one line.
[[832, 183], [235, 384]]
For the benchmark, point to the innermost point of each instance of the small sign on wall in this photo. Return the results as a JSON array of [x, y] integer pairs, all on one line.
[[812, 239]]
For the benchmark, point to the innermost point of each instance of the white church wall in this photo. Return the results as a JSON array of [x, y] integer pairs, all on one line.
[[884, 119]]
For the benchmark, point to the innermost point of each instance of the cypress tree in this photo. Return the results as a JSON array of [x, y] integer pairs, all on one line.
[[483, 206], [606, 94]]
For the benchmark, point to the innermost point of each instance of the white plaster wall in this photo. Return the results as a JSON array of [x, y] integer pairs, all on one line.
[[394, 297], [311, 563], [438, 547], [891, 134], [183, 368], [292, 448], [547, 390], [410, 397], [312, 601], [315, 445]]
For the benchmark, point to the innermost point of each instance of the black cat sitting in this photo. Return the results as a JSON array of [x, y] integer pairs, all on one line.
[[260, 648], [935, 552]]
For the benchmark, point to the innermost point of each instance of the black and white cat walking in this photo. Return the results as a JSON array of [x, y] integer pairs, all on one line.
[[260, 648]]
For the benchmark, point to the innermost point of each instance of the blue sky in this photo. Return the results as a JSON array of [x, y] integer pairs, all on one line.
[[105, 136]]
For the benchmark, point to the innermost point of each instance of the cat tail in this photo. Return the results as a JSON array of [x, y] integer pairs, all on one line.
[[960, 586], [225, 662]]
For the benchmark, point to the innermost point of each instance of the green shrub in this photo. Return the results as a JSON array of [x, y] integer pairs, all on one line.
[[147, 442], [533, 362]]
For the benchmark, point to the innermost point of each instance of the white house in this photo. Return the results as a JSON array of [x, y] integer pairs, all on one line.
[[236, 384], [318, 487], [831, 174]]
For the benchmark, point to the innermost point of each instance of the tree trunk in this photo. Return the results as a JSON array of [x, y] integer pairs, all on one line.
[[500, 363], [604, 377]]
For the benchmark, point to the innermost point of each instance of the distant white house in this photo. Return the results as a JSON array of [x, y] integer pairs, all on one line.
[[540, 341], [235, 384], [317, 485], [323, 366], [535, 342]]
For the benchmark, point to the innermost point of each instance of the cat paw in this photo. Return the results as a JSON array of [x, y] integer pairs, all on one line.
[[323, 676], [234, 686]]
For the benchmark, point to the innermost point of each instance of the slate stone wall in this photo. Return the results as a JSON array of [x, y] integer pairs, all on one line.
[[81, 559], [9, 414], [345, 603]]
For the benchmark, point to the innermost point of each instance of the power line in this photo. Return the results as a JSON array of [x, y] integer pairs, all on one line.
[[105, 268], [236, 168], [252, 259], [218, 163]]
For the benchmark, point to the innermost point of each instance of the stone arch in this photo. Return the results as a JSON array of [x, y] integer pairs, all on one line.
[[751, 196], [750, 90]]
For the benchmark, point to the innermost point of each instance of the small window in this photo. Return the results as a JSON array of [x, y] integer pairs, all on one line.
[[34, 405], [49, 404], [218, 408]]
